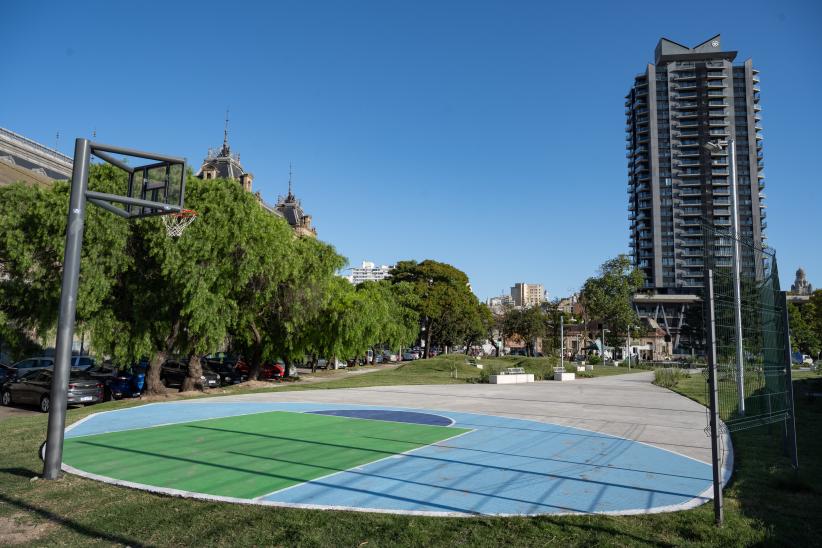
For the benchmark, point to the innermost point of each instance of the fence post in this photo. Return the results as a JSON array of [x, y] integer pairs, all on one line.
[[790, 419], [714, 399]]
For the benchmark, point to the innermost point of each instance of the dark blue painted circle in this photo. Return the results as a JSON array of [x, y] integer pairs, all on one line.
[[386, 415]]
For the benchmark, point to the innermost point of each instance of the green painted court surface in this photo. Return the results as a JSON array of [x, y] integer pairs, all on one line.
[[246, 456]]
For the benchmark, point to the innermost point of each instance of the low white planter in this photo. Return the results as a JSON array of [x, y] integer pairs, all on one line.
[[511, 379], [589, 367], [561, 376], [582, 367]]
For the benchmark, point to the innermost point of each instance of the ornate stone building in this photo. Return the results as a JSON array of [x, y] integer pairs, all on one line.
[[801, 286], [223, 164]]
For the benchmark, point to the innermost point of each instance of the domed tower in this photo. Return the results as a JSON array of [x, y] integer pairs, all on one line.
[[291, 209], [222, 164], [800, 285]]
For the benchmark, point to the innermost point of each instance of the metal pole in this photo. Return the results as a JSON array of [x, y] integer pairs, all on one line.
[[791, 420], [68, 307], [562, 342], [629, 347], [740, 363], [714, 393]]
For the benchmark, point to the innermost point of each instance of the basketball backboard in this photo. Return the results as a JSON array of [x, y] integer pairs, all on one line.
[[153, 188]]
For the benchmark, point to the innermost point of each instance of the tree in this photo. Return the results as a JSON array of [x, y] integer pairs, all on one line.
[[32, 241], [529, 325], [806, 325], [607, 297], [444, 299]]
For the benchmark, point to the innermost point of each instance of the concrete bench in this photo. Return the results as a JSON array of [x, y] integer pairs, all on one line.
[[561, 375], [473, 362], [512, 375]]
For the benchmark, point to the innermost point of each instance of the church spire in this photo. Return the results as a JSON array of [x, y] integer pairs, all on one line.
[[290, 172], [225, 149]]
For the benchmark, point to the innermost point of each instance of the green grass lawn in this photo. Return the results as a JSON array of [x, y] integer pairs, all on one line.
[[766, 504], [246, 456]]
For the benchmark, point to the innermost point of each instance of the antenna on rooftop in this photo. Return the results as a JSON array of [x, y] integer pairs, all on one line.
[[290, 172]]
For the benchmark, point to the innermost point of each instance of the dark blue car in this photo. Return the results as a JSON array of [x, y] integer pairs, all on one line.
[[120, 382]]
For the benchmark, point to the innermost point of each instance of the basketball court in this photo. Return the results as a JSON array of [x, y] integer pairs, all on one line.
[[614, 445]]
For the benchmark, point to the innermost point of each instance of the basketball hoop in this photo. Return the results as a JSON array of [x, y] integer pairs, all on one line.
[[175, 223]]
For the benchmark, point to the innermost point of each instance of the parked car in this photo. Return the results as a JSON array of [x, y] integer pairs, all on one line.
[[229, 367], [120, 382], [268, 370], [408, 356], [83, 363], [6, 373], [28, 365], [335, 363], [174, 372], [34, 388]]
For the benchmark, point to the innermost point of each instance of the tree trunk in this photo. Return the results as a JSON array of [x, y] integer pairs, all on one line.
[[154, 386], [193, 380], [313, 363], [256, 354], [428, 324], [287, 363]]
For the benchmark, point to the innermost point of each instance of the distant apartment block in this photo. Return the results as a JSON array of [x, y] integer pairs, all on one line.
[[368, 271], [500, 303], [527, 295], [685, 99]]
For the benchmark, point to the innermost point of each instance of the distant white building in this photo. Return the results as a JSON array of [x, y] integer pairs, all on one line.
[[369, 272], [500, 303]]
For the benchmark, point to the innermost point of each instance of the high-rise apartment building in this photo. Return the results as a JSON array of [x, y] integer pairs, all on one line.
[[528, 294], [685, 99], [368, 271]]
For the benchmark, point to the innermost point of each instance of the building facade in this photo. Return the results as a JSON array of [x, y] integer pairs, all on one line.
[[801, 285], [500, 304], [527, 295], [685, 99], [221, 163], [369, 272], [23, 159]]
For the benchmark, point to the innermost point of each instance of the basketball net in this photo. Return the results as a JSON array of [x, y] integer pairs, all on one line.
[[175, 223]]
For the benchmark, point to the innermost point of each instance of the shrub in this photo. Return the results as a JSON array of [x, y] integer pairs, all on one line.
[[668, 377], [594, 360]]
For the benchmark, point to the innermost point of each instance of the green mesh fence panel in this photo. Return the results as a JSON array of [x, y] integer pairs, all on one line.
[[764, 378]]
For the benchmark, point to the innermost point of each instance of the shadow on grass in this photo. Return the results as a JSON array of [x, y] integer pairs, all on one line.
[[766, 485], [20, 472], [92, 534]]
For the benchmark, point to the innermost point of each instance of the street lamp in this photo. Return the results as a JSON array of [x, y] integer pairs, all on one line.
[[603, 343], [715, 147]]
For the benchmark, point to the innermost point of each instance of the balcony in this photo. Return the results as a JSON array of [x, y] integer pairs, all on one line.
[[687, 95], [716, 93], [688, 133], [719, 132], [716, 172], [718, 123], [715, 74], [717, 113]]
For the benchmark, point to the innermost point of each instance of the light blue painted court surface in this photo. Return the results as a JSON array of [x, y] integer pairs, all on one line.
[[503, 466]]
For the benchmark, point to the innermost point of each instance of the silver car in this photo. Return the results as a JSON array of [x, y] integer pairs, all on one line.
[[34, 388]]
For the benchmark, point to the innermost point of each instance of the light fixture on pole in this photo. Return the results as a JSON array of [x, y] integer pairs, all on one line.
[[716, 147]]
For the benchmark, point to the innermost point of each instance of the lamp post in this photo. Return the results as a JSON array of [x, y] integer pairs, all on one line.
[[562, 342], [603, 343], [715, 147], [629, 347]]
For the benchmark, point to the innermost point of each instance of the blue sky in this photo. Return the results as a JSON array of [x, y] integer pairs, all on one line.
[[489, 135]]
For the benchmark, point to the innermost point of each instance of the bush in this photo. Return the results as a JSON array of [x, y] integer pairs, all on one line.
[[668, 377], [594, 360]]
